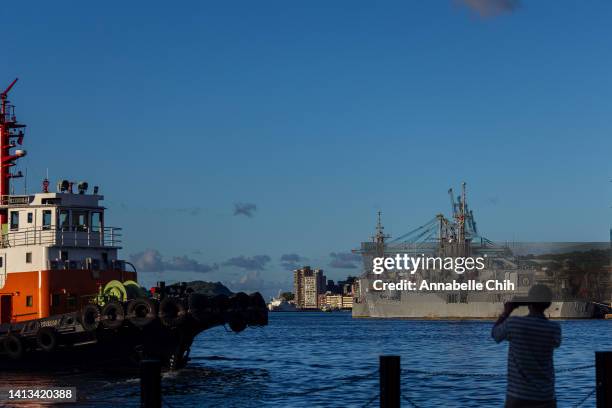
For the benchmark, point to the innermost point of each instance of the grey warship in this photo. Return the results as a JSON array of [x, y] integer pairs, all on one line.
[[578, 273]]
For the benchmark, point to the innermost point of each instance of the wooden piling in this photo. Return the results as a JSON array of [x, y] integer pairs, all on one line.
[[603, 378], [390, 381], [150, 384]]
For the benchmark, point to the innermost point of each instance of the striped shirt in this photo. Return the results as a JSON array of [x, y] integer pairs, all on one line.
[[531, 374]]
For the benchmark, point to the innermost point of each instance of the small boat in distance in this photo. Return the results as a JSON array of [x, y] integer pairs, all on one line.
[[281, 304]]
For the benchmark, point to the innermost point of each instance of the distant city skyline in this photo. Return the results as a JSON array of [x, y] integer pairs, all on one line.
[[237, 142]]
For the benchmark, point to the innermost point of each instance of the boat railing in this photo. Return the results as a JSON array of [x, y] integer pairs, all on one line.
[[76, 237], [15, 199]]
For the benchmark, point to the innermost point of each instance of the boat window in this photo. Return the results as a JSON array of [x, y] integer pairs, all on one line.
[[14, 220], [28, 257], [80, 221], [30, 217], [46, 220], [64, 223], [29, 301], [64, 255], [1, 261], [96, 221]]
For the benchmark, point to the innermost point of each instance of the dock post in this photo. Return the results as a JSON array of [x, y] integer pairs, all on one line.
[[150, 384], [390, 381], [603, 378]]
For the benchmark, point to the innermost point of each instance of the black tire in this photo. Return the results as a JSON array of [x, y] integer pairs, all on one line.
[[141, 312], [257, 301], [219, 307], [113, 315], [239, 301], [258, 311], [47, 339], [237, 323], [13, 346], [172, 312], [237, 313], [90, 317], [219, 303], [199, 307]]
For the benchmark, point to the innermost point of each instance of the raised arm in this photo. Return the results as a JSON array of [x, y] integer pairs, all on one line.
[[500, 330]]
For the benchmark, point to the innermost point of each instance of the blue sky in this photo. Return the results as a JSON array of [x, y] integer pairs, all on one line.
[[318, 113]]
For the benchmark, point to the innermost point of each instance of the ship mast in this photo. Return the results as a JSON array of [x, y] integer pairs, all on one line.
[[11, 135], [380, 236], [460, 232]]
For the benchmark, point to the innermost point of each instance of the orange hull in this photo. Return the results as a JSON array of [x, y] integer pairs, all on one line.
[[40, 294]]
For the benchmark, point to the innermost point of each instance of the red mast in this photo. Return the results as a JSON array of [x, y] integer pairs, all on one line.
[[11, 135]]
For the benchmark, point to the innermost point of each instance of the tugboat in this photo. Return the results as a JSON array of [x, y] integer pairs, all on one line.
[[64, 291]]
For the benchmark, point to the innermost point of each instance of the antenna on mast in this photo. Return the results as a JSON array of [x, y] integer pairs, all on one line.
[[4, 94], [11, 135], [45, 183], [380, 236]]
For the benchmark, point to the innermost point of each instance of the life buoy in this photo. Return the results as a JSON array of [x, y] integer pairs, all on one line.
[[13, 346], [90, 317], [46, 339], [172, 312], [113, 315], [141, 312]]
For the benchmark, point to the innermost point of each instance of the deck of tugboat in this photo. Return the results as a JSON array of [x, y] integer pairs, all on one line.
[[92, 237]]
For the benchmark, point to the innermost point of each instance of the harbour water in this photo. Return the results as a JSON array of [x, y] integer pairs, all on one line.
[[330, 359]]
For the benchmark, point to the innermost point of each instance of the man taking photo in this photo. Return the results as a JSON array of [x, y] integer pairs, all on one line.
[[533, 338]]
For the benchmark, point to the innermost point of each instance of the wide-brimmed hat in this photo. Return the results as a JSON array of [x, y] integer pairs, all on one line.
[[538, 293]]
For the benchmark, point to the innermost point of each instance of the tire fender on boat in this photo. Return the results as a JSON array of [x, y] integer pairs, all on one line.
[[237, 316], [199, 307], [141, 312], [113, 315], [13, 346], [47, 339], [219, 307], [258, 311], [172, 312], [90, 317]]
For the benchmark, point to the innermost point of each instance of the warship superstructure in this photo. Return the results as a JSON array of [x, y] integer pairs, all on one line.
[[579, 274]]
